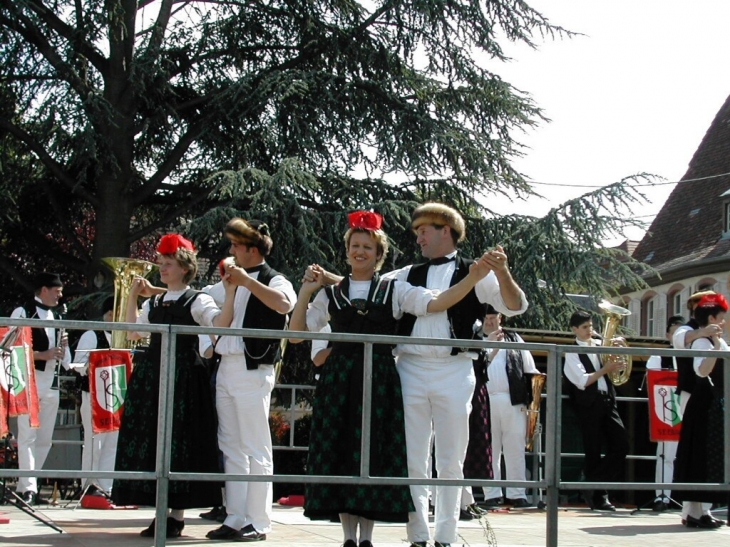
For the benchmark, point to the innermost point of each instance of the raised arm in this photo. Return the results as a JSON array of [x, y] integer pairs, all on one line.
[[443, 301], [298, 320], [271, 297], [508, 288]]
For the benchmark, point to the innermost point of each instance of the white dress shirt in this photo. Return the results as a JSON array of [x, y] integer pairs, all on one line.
[[576, 372]]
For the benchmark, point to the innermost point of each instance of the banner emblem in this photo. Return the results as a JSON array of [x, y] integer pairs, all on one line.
[[109, 372], [665, 416]]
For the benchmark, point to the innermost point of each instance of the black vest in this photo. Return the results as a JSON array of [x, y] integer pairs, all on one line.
[[39, 338], [371, 316], [262, 351], [686, 377], [101, 343], [587, 396], [462, 315]]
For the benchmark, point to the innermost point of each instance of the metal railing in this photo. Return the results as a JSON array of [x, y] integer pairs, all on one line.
[[551, 482]]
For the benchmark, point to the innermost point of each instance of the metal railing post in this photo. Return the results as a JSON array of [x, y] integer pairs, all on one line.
[[367, 406], [164, 433], [552, 446]]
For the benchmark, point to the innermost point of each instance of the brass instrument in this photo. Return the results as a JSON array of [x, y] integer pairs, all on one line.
[[533, 409], [125, 270], [614, 314]]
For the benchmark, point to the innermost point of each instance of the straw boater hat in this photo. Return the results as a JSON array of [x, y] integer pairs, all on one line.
[[696, 297], [441, 215], [246, 231]]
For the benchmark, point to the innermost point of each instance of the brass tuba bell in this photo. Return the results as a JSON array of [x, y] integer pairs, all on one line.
[[125, 270], [614, 314]]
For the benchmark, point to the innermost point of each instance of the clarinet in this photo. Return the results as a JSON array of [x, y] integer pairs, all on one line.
[[59, 343]]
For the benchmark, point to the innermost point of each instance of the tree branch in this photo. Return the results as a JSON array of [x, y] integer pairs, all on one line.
[[74, 36], [35, 37], [51, 164]]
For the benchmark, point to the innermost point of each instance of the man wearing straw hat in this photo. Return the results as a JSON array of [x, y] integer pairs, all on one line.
[[438, 381]]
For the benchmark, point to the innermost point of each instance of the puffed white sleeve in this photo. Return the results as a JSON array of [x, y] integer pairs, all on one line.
[[317, 313], [204, 310], [408, 298], [488, 292]]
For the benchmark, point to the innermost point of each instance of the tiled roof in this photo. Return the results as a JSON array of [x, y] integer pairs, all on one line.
[[689, 227]]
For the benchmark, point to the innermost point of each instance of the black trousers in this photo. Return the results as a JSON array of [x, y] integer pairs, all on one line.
[[603, 431]]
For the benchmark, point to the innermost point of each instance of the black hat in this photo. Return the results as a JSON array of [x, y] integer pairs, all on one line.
[[47, 279], [675, 320], [491, 310], [108, 305]]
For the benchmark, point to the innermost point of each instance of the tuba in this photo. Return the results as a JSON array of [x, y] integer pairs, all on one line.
[[614, 314], [125, 270], [533, 409]]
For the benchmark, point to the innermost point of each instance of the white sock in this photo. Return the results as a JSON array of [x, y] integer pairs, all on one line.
[[366, 529], [177, 514], [349, 526]]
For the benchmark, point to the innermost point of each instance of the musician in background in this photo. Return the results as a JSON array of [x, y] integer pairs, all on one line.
[[100, 449], [666, 451], [509, 383], [50, 348], [595, 400]]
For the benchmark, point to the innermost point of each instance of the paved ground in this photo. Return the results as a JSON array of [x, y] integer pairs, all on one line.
[[577, 528]]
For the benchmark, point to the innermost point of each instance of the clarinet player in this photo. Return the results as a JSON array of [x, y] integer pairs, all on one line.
[[50, 349]]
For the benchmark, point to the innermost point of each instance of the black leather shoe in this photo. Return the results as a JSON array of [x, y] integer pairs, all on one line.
[[365, 543], [464, 514], [349, 543], [213, 513], [476, 511], [419, 544], [705, 522], [521, 503], [174, 527], [249, 533], [659, 506], [491, 502], [28, 497], [604, 506], [223, 532], [439, 544]]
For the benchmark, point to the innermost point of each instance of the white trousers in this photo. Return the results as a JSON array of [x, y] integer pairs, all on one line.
[[244, 437], [509, 427], [436, 399], [666, 452], [35, 443], [100, 449]]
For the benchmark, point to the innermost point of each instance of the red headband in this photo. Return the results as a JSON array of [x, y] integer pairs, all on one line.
[[366, 220], [170, 243], [713, 300]]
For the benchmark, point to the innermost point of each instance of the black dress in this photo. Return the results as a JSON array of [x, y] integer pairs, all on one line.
[[478, 461], [701, 450], [194, 428], [334, 446]]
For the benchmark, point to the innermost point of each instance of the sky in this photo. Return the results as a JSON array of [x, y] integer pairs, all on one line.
[[635, 93]]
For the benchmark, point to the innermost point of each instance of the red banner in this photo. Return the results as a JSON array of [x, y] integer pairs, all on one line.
[[665, 416], [17, 376], [109, 372]]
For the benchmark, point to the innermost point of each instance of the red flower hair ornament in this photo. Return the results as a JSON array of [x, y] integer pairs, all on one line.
[[365, 220], [713, 300], [170, 243]]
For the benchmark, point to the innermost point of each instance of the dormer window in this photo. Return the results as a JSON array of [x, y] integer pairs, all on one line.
[[725, 200]]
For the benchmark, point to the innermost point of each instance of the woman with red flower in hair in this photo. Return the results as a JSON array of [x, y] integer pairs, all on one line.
[[701, 450], [194, 437], [363, 303]]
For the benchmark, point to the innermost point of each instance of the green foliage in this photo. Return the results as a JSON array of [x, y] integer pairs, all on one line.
[[123, 119]]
